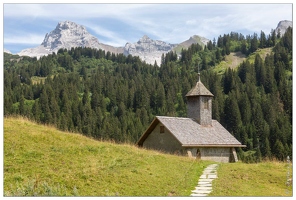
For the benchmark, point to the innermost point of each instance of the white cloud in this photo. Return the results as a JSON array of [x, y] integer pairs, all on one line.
[[172, 23], [113, 38], [71, 10], [24, 39]]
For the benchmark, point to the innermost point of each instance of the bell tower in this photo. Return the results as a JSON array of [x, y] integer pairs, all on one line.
[[199, 104]]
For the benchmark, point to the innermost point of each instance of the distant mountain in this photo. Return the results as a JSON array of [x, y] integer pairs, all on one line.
[[67, 35], [282, 26], [148, 50], [152, 50], [6, 51], [196, 39]]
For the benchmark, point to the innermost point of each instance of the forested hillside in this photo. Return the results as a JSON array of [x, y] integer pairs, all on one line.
[[114, 97]]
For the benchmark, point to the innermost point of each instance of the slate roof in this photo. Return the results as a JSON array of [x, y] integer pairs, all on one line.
[[199, 90], [191, 134]]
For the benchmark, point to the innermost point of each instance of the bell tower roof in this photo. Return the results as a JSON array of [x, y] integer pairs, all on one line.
[[199, 89]]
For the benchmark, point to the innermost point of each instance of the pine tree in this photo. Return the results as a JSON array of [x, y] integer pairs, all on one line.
[[279, 150], [262, 40], [36, 110], [22, 106], [44, 103], [232, 114]]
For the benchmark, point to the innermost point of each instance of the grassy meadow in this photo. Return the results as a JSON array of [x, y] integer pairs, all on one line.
[[42, 161], [263, 179]]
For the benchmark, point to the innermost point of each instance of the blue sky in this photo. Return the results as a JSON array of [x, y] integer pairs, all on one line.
[[25, 25]]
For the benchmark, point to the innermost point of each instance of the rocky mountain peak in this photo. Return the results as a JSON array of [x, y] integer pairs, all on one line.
[[68, 34], [283, 25], [144, 39], [68, 25], [148, 49]]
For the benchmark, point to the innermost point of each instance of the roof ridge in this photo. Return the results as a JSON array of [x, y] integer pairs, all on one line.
[[173, 117], [199, 90]]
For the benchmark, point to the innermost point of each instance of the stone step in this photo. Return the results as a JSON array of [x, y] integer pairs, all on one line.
[[212, 176], [199, 195], [201, 191], [206, 179], [203, 188], [208, 176], [208, 185], [209, 172]]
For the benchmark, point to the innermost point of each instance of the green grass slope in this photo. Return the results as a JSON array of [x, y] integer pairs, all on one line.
[[234, 59], [260, 180], [42, 161]]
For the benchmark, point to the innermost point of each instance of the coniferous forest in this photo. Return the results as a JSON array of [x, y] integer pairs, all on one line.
[[114, 97]]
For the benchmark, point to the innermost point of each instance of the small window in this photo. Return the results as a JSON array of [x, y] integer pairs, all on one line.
[[161, 129]]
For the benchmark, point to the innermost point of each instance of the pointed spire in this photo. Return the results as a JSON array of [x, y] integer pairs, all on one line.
[[199, 89], [198, 77]]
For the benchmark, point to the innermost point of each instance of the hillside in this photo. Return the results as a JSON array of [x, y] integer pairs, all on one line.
[[40, 160], [253, 180], [115, 97], [192, 40], [234, 59]]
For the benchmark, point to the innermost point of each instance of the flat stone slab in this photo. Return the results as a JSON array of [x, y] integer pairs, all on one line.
[[208, 176], [206, 180], [211, 167], [203, 188], [212, 176], [199, 195], [204, 185], [209, 172], [201, 191], [203, 176]]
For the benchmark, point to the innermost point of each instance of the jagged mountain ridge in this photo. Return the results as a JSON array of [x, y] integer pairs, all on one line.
[[148, 50], [68, 34]]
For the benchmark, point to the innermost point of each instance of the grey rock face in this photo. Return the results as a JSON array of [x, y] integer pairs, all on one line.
[[282, 26], [69, 34], [66, 35], [148, 50]]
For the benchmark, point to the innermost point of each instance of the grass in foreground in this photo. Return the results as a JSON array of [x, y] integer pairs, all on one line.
[[41, 161], [262, 179]]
